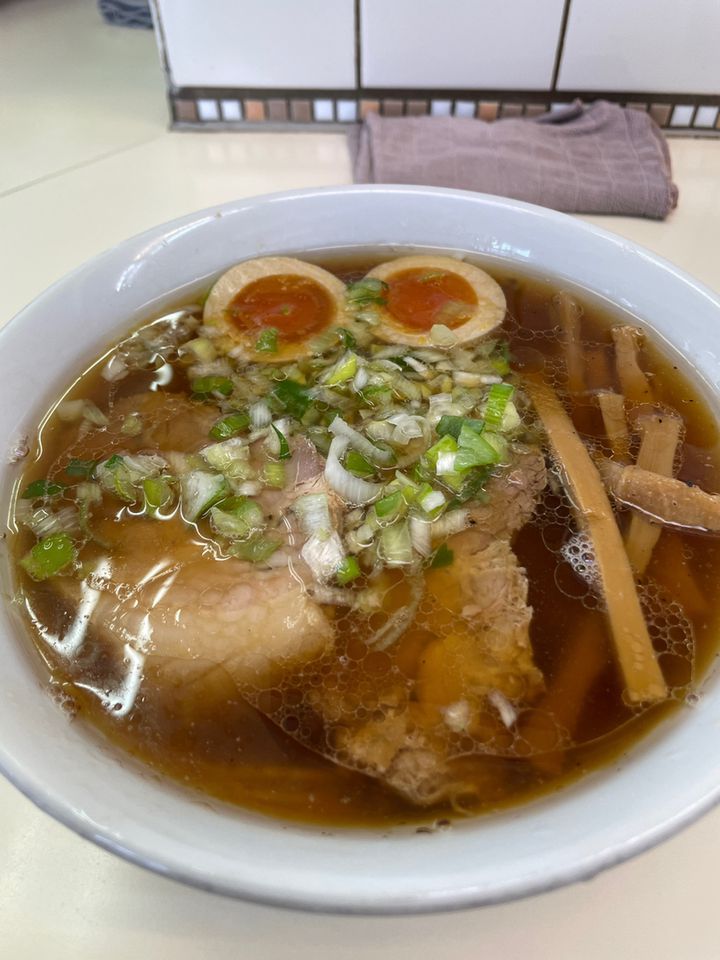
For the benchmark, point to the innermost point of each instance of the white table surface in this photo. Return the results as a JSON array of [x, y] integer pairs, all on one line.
[[85, 161]]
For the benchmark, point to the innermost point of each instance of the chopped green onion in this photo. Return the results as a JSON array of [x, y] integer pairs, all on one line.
[[473, 487], [344, 370], [446, 445], [442, 557], [207, 386], [442, 336], [348, 571], [122, 474], [257, 549], [346, 338], [237, 517], [131, 426], [284, 453], [267, 342], [450, 426], [432, 502], [93, 414], [321, 438], [274, 475], [230, 425], [474, 450], [42, 488], [389, 506], [158, 494], [292, 397], [313, 513], [368, 290], [500, 359], [49, 556], [201, 490], [395, 544], [231, 458], [498, 397], [376, 395], [202, 348], [356, 463], [80, 468]]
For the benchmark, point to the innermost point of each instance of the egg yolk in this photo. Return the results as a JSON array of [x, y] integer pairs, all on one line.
[[294, 306], [422, 298]]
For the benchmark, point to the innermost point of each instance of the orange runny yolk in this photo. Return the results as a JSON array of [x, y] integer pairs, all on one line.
[[295, 306], [422, 298]]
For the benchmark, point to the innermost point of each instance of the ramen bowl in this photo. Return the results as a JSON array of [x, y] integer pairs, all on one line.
[[669, 778]]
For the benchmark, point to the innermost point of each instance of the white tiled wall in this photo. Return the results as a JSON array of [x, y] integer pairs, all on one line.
[[259, 43], [646, 45], [280, 61], [502, 44]]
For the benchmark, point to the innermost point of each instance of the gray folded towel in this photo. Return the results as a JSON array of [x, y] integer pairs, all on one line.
[[598, 158]]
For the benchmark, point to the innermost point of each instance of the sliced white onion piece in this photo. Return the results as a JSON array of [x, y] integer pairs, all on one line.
[[360, 443], [323, 554], [260, 415], [350, 488]]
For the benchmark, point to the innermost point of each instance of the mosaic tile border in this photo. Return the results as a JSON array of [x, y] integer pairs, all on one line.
[[696, 114]]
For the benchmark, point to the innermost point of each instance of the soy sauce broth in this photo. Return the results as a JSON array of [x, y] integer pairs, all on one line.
[[201, 733]]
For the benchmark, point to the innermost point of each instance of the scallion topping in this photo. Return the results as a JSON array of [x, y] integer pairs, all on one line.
[[211, 386], [389, 506], [42, 488], [267, 342], [346, 338], [292, 398], [284, 453], [49, 556], [274, 475], [451, 426], [81, 468], [158, 494], [474, 450], [498, 397], [442, 557], [348, 571], [230, 425], [357, 464], [366, 291], [257, 549]]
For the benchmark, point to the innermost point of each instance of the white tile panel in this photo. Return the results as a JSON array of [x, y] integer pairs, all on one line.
[[682, 115], [644, 45], [706, 116], [323, 110], [501, 44], [231, 109], [208, 110], [259, 43], [346, 110]]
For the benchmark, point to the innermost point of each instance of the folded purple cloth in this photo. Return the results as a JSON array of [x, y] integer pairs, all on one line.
[[598, 158]]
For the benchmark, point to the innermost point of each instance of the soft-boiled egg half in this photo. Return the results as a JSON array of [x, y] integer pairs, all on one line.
[[425, 296], [272, 307]]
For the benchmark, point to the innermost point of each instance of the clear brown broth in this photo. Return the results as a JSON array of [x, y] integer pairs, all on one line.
[[205, 736]]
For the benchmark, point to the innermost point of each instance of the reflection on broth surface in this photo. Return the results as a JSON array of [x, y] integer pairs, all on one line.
[[368, 582]]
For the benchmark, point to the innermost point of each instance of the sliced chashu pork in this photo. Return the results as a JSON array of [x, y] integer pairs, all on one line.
[[176, 600], [164, 593], [480, 663]]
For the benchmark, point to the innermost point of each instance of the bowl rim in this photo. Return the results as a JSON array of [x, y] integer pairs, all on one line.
[[31, 785]]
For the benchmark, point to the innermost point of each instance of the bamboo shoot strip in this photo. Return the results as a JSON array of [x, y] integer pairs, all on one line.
[[641, 672], [612, 408], [665, 499], [569, 313], [660, 438], [633, 382], [583, 662]]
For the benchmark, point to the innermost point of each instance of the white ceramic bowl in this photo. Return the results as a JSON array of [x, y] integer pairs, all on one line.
[[670, 777]]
